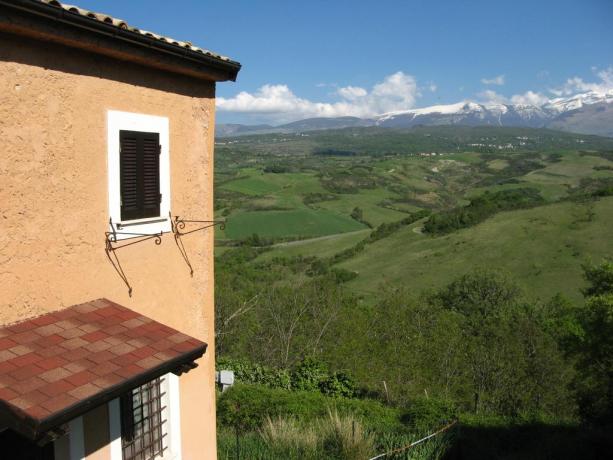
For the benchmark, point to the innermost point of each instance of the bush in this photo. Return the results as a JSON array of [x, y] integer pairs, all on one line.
[[247, 406], [308, 374], [246, 372], [338, 384], [426, 415]]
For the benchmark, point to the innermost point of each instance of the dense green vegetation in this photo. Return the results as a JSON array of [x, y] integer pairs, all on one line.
[[363, 281], [482, 207]]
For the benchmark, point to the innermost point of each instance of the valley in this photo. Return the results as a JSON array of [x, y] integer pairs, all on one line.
[[314, 196], [408, 277]]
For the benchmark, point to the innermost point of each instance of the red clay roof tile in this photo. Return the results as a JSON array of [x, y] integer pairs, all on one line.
[[53, 365], [6, 343]]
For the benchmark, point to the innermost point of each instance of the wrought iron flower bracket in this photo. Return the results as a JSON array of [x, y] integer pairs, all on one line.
[[178, 226], [111, 244]]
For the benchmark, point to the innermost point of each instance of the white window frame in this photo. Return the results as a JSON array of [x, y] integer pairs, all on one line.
[[171, 413], [127, 121]]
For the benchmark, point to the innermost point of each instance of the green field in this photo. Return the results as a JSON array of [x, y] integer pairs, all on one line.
[[276, 187], [325, 246], [304, 223], [542, 248]]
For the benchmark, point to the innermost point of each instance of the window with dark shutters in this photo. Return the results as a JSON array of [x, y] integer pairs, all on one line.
[[139, 174]]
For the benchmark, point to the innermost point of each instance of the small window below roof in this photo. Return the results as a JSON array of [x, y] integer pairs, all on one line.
[[139, 173], [143, 423]]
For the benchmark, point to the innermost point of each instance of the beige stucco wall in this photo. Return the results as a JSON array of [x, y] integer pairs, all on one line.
[[54, 201]]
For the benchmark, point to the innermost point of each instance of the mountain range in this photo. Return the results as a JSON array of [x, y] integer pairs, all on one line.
[[584, 113]]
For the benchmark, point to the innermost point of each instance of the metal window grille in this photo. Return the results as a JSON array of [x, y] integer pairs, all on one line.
[[142, 422]]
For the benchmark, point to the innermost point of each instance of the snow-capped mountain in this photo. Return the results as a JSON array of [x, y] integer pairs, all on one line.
[[474, 114], [586, 113], [561, 104]]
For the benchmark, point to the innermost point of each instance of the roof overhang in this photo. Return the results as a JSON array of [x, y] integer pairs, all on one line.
[[50, 22], [39, 394]]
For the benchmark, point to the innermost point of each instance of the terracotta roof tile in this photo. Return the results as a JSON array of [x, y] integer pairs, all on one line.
[[58, 403], [52, 351], [108, 380], [7, 393], [80, 365], [30, 385], [20, 350], [123, 25], [25, 337], [56, 388], [6, 355], [6, 343], [26, 372], [94, 336], [5, 367], [57, 362], [81, 378], [23, 360], [104, 368], [52, 363], [53, 375]]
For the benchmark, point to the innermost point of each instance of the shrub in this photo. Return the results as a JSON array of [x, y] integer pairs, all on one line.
[[246, 372], [428, 414], [308, 374], [247, 406], [338, 384]]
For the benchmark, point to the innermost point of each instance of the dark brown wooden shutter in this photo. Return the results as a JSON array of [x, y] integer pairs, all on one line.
[[139, 174]]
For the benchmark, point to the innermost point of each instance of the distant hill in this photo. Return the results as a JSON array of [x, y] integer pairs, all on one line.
[[586, 113], [230, 129], [311, 124], [589, 119]]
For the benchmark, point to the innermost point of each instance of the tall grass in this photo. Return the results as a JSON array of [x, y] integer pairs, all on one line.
[[337, 436], [345, 438], [285, 436]]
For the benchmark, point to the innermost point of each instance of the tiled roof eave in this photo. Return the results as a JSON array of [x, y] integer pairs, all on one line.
[[175, 366], [118, 34], [35, 429]]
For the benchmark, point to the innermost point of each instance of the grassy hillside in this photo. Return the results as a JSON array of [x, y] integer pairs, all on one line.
[[366, 262], [542, 248], [293, 223], [287, 187]]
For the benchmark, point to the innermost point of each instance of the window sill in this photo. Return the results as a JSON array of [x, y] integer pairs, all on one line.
[[147, 220], [148, 226]]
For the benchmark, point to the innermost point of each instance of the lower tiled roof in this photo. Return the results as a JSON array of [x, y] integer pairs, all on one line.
[[57, 366]]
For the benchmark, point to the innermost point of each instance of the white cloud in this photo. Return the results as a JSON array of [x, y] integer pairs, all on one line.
[[352, 93], [489, 97], [498, 80], [529, 98], [432, 87], [577, 84], [278, 103]]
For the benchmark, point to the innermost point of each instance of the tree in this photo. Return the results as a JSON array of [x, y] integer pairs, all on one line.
[[294, 319], [595, 348], [600, 278], [357, 214]]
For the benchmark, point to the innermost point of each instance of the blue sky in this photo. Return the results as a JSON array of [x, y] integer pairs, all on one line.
[[337, 57]]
